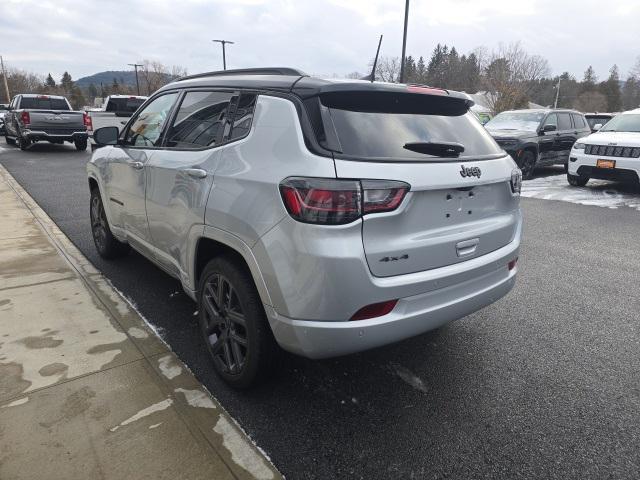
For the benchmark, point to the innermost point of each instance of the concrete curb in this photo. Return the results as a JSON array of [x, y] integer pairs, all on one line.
[[205, 418]]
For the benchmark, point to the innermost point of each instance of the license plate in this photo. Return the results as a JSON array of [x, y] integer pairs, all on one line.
[[606, 164]]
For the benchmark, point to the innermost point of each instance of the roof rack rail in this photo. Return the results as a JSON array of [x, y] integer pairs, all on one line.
[[248, 71]]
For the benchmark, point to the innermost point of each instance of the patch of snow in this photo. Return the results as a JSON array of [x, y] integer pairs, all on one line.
[[168, 369], [599, 193], [241, 452], [155, 425], [15, 403], [197, 398], [409, 377], [136, 332], [156, 407]]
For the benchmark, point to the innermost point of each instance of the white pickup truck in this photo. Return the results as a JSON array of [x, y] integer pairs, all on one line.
[[115, 112]]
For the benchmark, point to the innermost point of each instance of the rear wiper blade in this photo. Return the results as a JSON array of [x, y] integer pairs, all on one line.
[[440, 149]]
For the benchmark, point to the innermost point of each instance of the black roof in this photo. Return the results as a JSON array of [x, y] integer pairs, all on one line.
[[290, 80]]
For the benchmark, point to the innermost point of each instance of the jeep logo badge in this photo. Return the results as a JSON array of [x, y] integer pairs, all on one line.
[[470, 171]]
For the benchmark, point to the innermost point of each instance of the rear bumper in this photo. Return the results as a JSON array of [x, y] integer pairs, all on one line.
[[411, 316], [626, 170], [34, 135]]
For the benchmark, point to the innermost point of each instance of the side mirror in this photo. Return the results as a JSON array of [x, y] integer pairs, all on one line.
[[106, 136], [597, 126], [549, 128]]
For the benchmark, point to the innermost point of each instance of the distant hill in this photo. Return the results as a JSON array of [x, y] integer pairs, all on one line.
[[124, 77]]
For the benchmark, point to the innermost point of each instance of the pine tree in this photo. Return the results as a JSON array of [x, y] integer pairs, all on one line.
[[66, 82], [589, 81], [611, 89], [93, 91], [50, 82], [421, 71], [115, 87]]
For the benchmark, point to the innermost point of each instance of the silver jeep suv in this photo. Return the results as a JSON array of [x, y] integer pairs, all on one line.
[[326, 217]]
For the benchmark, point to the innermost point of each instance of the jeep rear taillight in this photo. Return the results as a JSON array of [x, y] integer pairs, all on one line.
[[87, 121], [327, 201], [25, 118]]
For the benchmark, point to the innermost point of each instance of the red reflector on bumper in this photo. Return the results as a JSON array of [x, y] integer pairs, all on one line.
[[374, 310], [512, 264]]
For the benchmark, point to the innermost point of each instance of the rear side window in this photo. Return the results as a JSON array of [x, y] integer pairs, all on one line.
[[552, 120], [201, 120], [564, 121], [43, 103], [243, 116], [382, 130], [578, 121], [124, 105]]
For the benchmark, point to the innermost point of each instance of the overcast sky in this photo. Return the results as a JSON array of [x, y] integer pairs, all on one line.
[[319, 36]]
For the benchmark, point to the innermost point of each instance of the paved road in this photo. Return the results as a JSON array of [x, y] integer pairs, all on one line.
[[543, 384]]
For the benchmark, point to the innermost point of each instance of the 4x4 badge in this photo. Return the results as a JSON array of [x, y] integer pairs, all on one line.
[[470, 171]]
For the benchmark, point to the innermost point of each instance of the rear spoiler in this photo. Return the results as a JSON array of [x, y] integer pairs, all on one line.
[[388, 97]]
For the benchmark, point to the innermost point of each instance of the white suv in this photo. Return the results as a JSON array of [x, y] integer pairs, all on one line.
[[613, 153]]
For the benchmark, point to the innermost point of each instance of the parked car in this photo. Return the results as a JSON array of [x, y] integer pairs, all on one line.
[[326, 217], [32, 118], [115, 111], [3, 108], [613, 153], [538, 137], [597, 120]]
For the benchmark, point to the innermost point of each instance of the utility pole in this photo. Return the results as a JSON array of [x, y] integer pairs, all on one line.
[[224, 56], [555, 104], [6, 83], [136, 65], [404, 40]]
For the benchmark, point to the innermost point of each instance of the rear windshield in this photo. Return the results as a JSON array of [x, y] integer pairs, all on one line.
[[383, 135], [124, 105], [593, 121], [44, 103]]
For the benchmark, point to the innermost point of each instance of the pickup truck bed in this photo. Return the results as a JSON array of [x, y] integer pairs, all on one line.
[[115, 112]]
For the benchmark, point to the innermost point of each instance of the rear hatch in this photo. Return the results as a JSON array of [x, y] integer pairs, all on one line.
[[460, 204]]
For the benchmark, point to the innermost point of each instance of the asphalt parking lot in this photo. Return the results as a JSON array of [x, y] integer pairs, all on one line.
[[543, 384]]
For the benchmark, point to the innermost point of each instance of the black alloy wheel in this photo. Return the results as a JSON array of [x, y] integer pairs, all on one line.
[[108, 246], [224, 325], [527, 164], [233, 323]]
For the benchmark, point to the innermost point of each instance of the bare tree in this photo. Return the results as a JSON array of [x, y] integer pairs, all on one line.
[[591, 101], [388, 69], [509, 75], [154, 74], [21, 81]]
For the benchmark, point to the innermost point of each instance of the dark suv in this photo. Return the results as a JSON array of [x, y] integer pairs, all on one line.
[[538, 137]]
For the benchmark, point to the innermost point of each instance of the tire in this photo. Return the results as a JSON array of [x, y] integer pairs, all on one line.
[[527, 164], [81, 145], [233, 324], [108, 246], [577, 180], [565, 166], [23, 143], [10, 141]]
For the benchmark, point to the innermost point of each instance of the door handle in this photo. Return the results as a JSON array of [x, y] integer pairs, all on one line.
[[467, 247], [195, 172], [136, 165]]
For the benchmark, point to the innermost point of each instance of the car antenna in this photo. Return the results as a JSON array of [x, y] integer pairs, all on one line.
[[372, 76]]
